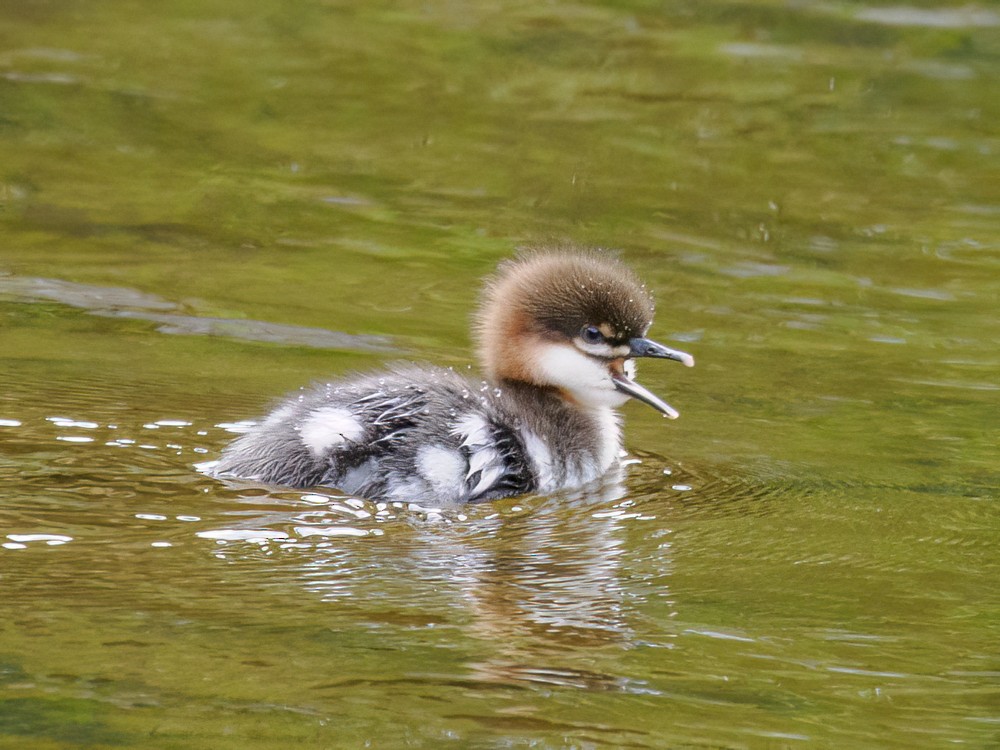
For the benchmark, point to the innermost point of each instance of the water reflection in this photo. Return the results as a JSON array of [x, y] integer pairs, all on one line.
[[537, 579]]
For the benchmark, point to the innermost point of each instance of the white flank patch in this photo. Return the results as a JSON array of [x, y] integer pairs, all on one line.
[[354, 479], [541, 460], [405, 490], [610, 436], [586, 467], [443, 468], [586, 378], [328, 427]]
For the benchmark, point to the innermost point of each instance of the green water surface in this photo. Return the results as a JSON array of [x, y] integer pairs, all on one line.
[[204, 205]]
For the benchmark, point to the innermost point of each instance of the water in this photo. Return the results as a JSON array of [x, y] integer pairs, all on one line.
[[207, 205]]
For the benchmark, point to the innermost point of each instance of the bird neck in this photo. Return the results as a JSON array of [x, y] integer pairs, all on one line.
[[587, 438]]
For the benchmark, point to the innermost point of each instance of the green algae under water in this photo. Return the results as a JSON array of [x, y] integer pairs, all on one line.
[[205, 205]]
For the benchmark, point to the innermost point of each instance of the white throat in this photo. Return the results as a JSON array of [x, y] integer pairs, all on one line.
[[585, 378]]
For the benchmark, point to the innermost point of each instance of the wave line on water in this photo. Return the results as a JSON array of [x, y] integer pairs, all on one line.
[[122, 302]]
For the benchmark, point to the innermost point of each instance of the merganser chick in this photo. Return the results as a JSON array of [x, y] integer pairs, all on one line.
[[558, 333]]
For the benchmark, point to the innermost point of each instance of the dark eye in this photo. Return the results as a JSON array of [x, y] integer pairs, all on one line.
[[591, 335]]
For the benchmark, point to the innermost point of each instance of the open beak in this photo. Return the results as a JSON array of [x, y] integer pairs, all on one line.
[[641, 347]]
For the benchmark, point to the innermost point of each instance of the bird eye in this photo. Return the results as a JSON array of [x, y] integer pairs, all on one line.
[[591, 335]]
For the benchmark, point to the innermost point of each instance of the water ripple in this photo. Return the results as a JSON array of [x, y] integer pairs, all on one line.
[[121, 302]]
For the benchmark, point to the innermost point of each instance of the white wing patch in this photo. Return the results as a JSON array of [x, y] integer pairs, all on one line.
[[329, 427], [484, 459], [474, 429]]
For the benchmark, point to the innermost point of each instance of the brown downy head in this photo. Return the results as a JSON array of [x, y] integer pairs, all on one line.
[[572, 320]]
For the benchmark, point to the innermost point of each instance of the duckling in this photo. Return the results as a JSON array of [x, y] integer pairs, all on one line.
[[558, 334]]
